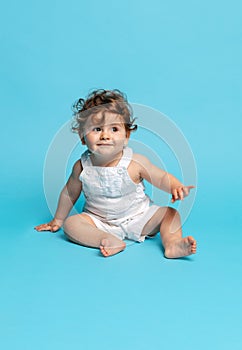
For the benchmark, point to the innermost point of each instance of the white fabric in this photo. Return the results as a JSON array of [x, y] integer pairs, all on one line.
[[115, 203]]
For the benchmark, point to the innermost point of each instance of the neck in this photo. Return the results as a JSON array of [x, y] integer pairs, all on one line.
[[102, 161]]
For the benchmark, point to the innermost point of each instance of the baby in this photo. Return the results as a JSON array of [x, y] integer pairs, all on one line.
[[111, 178]]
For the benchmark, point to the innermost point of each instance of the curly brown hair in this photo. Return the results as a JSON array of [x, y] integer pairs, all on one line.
[[113, 101]]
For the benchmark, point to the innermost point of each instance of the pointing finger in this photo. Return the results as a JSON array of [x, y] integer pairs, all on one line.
[[186, 191]]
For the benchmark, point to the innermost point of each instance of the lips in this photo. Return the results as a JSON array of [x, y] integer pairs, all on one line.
[[104, 144]]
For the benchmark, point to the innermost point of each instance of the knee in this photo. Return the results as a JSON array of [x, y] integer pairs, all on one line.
[[172, 211], [67, 224]]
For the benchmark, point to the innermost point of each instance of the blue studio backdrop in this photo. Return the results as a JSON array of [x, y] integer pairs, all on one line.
[[182, 58]]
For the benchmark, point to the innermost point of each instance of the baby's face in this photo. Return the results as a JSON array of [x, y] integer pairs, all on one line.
[[105, 135]]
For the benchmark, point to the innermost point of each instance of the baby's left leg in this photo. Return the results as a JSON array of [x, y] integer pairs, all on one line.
[[167, 221]]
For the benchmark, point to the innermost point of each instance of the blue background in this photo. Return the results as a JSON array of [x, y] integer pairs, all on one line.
[[182, 58]]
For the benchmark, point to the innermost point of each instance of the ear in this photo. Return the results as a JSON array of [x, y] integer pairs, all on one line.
[[82, 138], [127, 137]]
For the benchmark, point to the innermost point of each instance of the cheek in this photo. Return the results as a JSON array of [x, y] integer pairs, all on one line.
[[88, 139], [85, 140]]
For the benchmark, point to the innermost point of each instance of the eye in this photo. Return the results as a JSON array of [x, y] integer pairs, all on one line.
[[115, 129], [97, 129]]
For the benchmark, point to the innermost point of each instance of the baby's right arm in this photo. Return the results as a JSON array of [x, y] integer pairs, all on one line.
[[67, 199]]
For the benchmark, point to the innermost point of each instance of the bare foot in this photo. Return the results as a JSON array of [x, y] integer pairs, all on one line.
[[181, 247], [109, 248]]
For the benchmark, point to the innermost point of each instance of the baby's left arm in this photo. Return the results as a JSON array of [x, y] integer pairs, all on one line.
[[161, 179]]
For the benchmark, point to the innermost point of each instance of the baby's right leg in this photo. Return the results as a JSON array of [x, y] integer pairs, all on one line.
[[81, 229]]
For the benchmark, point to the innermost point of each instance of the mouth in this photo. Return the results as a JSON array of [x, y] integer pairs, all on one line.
[[104, 144]]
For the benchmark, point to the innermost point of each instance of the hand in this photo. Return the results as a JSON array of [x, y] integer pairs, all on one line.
[[180, 193], [52, 226]]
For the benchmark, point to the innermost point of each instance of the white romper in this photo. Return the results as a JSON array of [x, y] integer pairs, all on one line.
[[114, 202]]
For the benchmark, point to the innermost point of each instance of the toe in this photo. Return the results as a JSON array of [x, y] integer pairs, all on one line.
[[103, 251]]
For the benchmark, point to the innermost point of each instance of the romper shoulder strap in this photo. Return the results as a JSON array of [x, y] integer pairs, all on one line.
[[85, 159], [126, 158]]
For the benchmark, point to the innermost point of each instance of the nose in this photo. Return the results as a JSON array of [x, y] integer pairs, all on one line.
[[104, 135]]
